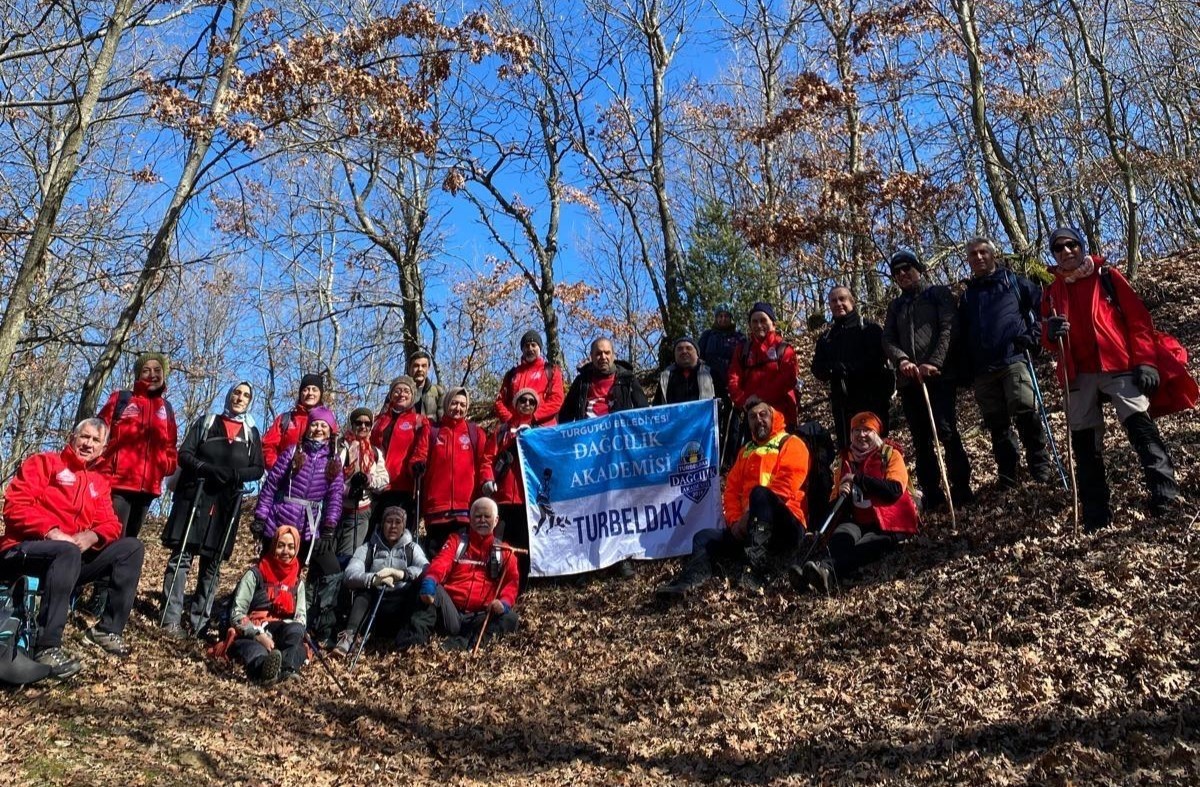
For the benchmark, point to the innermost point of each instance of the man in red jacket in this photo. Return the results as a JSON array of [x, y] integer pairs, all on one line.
[[535, 372], [1108, 339], [473, 581], [59, 525]]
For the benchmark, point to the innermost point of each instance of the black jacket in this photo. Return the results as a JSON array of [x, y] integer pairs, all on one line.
[[920, 328], [996, 316], [626, 394]]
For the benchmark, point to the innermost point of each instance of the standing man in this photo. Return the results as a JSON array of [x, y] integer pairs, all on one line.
[[917, 335], [1108, 340], [719, 344], [688, 379], [604, 385], [996, 315], [429, 395], [59, 525], [535, 372], [849, 356]]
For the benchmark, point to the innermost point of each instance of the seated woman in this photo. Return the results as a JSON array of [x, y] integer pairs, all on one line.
[[390, 561], [269, 612], [878, 511]]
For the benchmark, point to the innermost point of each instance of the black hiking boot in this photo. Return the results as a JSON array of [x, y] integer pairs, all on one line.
[[750, 582], [819, 576]]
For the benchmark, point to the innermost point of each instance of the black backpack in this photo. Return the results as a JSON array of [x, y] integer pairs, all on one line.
[[819, 483]]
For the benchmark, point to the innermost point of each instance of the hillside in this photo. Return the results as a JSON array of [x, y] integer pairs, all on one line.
[[1004, 650]]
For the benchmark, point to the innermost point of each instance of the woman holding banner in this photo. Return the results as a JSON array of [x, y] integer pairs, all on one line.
[[508, 488]]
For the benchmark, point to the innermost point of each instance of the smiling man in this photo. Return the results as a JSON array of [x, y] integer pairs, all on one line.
[[59, 525]]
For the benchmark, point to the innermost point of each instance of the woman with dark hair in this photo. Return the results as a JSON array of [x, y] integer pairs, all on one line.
[[289, 428], [220, 453]]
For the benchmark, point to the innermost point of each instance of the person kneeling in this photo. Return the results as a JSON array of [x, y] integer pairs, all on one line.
[[388, 564], [269, 612], [764, 506], [470, 584], [873, 479]]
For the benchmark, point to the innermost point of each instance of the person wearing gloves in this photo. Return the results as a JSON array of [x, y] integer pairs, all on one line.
[[507, 487], [457, 471], [389, 563], [878, 512], [849, 358], [402, 434], [306, 489], [288, 428], [365, 471], [220, 453], [269, 612], [535, 372], [1109, 349], [471, 583]]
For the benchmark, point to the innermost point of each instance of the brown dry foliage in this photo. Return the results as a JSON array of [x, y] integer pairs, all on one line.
[[1003, 651]]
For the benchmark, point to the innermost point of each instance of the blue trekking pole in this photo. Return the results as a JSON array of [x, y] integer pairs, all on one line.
[[1041, 405]]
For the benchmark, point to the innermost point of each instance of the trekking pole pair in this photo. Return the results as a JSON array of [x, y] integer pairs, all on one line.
[[367, 631], [183, 550], [820, 534], [1041, 405], [1066, 389]]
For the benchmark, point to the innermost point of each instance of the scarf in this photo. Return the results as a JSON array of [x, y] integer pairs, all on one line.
[[281, 579], [1085, 269]]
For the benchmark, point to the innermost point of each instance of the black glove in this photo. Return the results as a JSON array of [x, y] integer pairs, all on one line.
[[223, 475], [1146, 379], [324, 545], [258, 527], [1058, 327], [358, 486], [1024, 342], [418, 469]]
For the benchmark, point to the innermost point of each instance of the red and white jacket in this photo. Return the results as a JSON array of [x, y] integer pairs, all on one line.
[[466, 578], [57, 490], [141, 448], [404, 439], [457, 468], [544, 378]]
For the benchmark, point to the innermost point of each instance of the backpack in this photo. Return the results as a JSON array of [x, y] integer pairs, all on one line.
[[818, 484], [19, 602]]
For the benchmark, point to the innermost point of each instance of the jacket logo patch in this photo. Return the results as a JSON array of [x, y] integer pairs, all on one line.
[[464, 441], [92, 490], [131, 411], [405, 427], [535, 376], [65, 477], [162, 412], [773, 354]]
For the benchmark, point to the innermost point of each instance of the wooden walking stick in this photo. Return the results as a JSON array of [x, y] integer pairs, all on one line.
[[488, 617], [1066, 390], [937, 451]]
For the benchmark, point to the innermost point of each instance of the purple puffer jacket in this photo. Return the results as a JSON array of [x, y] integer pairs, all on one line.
[[278, 500]]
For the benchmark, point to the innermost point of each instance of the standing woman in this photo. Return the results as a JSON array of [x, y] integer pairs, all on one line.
[[305, 489], [219, 454], [288, 428], [365, 470], [141, 442], [507, 488]]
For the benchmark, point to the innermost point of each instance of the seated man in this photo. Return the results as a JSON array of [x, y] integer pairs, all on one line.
[[873, 480], [764, 506], [60, 526], [471, 583], [391, 560]]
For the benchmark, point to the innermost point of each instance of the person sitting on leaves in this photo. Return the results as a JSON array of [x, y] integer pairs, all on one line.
[[306, 489], [764, 506], [471, 584], [389, 563], [269, 613], [878, 511]]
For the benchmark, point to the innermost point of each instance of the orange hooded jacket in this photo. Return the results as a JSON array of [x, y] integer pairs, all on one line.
[[780, 464]]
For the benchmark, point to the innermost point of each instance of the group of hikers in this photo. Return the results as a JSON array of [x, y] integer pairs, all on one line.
[[337, 513]]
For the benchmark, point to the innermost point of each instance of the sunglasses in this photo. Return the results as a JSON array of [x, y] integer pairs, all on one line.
[[527, 400], [1067, 245], [905, 268], [362, 423]]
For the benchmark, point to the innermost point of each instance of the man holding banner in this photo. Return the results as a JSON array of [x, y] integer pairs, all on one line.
[[765, 507]]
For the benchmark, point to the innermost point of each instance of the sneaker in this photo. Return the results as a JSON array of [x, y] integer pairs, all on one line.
[[174, 631], [110, 643], [271, 664], [819, 576], [345, 644], [62, 665]]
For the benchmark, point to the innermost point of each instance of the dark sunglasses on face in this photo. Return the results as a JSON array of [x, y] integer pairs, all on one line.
[[362, 423], [902, 269], [1067, 245], [526, 400]]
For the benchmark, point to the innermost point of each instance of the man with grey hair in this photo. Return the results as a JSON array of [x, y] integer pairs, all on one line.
[[996, 315], [59, 525]]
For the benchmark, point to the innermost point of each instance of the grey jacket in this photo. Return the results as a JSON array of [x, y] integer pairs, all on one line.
[[406, 555], [920, 327]]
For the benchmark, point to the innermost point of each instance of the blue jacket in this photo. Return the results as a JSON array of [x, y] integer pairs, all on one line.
[[995, 315]]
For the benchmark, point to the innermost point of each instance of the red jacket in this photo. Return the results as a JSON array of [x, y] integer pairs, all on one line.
[[466, 580], [58, 490], [404, 438], [278, 439], [898, 517], [503, 441], [141, 441], [766, 369], [1102, 338], [548, 384], [457, 468], [780, 464]]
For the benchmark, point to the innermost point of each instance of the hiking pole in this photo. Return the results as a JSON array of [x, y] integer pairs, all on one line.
[[1041, 405], [824, 527], [937, 451], [487, 617], [725, 436], [367, 631], [183, 545], [312, 644], [1066, 389]]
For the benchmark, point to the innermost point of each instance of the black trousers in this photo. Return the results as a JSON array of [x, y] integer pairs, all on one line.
[[131, 508], [853, 546], [289, 639], [514, 529], [62, 568], [771, 529], [942, 399]]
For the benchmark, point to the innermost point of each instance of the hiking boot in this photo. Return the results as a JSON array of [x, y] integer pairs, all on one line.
[[268, 671], [174, 631], [796, 577], [110, 643], [345, 644], [456, 643], [1168, 507], [750, 582], [1044, 474], [62, 665], [819, 576], [407, 638], [676, 588]]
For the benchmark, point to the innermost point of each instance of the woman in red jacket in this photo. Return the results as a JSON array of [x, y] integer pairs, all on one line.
[[765, 366], [457, 471], [287, 428], [878, 512], [141, 442], [508, 488], [403, 435]]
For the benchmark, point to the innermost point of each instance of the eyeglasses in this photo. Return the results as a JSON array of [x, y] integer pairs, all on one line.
[[527, 400], [1067, 245], [362, 423]]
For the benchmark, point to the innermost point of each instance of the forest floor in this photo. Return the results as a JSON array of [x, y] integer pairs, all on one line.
[[1003, 650]]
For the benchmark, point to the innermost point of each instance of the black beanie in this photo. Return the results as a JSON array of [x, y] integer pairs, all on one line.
[[312, 379], [905, 257], [531, 336], [765, 308]]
